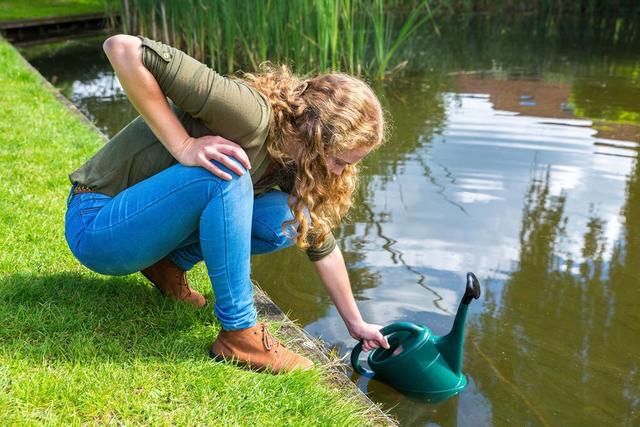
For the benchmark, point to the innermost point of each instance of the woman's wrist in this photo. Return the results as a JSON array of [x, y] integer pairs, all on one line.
[[180, 149], [354, 324]]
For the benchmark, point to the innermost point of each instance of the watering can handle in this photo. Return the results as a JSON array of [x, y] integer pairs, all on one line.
[[387, 330]]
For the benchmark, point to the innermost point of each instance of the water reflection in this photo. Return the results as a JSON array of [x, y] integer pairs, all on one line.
[[537, 194], [559, 339], [82, 72], [468, 409]]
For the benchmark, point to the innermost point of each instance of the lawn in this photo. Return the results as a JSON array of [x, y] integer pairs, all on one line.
[[21, 9], [81, 348]]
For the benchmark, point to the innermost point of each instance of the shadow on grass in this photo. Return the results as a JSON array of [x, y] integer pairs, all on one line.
[[79, 317]]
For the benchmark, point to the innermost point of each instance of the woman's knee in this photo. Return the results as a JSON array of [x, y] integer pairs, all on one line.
[[270, 211], [273, 234], [213, 183], [265, 240]]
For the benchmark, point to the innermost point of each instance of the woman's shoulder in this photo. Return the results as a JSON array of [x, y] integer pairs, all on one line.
[[239, 112]]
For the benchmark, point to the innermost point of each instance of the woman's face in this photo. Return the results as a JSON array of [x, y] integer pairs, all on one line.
[[337, 163]]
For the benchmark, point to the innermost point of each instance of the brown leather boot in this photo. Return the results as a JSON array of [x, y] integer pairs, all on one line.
[[257, 348], [172, 282]]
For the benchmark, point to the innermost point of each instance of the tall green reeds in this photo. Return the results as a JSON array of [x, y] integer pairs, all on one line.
[[356, 36]]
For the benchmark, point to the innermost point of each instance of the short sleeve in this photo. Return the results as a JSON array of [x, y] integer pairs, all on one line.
[[227, 106], [316, 253]]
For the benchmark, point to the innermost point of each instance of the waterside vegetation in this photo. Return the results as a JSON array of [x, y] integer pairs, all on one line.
[[356, 36]]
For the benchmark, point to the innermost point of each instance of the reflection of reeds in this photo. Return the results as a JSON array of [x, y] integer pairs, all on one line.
[[356, 36]]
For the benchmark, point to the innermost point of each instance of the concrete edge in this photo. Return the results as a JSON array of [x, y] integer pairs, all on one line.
[[296, 336]]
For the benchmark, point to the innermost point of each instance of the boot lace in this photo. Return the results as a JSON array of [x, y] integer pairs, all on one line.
[[267, 339]]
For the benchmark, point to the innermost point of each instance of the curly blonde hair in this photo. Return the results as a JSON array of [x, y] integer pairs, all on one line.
[[324, 115]]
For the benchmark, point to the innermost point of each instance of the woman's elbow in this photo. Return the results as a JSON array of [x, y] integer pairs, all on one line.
[[121, 46]]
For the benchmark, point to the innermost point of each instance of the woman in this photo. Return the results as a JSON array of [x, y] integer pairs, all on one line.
[[165, 193]]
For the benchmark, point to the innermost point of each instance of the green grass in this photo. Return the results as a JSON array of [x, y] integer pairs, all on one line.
[[80, 348], [21, 9]]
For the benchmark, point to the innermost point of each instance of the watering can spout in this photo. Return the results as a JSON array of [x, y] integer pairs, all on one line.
[[451, 345]]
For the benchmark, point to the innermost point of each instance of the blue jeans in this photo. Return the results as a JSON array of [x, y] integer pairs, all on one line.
[[191, 215]]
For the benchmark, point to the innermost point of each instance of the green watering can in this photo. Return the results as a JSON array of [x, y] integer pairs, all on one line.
[[419, 362]]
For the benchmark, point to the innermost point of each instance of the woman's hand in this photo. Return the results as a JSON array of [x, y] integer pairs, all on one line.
[[333, 273], [369, 334], [200, 152]]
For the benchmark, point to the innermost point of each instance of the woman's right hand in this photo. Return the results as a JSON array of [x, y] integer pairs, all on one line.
[[200, 152]]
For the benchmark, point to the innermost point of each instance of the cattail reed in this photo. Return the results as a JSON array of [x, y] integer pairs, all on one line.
[[356, 36]]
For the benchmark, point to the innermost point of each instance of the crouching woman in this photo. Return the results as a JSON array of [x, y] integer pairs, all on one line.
[[233, 167]]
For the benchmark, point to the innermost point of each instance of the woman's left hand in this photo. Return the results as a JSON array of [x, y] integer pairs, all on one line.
[[369, 334]]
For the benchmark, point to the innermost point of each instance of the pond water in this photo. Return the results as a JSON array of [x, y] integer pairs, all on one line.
[[513, 155]]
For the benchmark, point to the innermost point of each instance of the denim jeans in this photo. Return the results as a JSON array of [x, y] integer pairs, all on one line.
[[191, 215]]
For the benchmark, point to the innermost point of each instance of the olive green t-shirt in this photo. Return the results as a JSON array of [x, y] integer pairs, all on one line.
[[206, 103]]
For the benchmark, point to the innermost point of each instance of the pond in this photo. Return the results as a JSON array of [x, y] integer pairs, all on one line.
[[513, 155]]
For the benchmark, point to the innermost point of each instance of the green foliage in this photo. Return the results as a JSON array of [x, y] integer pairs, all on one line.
[[542, 7], [20, 9], [80, 348], [356, 36]]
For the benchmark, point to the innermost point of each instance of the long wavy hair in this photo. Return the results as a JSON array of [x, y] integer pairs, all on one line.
[[313, 118]]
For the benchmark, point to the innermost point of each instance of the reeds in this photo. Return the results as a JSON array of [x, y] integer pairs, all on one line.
[[355, 36]]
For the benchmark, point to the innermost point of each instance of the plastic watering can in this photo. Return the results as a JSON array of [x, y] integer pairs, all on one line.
[[419, 362]]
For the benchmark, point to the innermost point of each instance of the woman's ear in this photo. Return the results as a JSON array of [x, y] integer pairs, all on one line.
[[300, 89]]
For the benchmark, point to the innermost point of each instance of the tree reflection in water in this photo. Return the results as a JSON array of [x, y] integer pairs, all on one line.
[[559, 337]]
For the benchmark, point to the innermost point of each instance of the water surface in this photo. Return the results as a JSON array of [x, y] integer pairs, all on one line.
[[513, 155]]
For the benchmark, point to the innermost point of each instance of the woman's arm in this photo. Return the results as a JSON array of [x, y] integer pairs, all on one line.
[[333, 273], [124, 53]]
